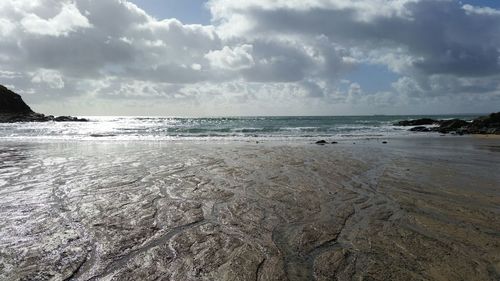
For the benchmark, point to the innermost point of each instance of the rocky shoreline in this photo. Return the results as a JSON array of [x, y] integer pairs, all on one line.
[[13, 109], [483, 125]]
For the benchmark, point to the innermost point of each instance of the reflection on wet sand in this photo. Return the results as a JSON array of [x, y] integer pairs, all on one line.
[[413, 209]]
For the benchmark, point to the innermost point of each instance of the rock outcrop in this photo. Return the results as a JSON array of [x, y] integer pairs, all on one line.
[[14, 109], [482, 125], [485, 125], [453, 125], [12, 103], [417, 122]]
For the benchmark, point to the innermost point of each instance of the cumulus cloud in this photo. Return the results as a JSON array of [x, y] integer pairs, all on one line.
[[294, 54], [69, 19], [481, 10], [236, 58], [418, 40], [436, 33], [51, 77]]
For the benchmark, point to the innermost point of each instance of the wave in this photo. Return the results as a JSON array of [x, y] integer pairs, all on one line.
[[240, 128]]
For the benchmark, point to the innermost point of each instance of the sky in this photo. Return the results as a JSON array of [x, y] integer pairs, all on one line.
[[252, 57]]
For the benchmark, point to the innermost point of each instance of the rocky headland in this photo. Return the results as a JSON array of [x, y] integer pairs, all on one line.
[[14, 109], [483, 125]]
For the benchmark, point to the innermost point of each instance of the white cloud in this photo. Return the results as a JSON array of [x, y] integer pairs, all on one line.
[[50, 77], [291, 53], [6, 27], [196, 66], [480, 10], [9, 74], [68, 20], [237, 58], [408, 86]]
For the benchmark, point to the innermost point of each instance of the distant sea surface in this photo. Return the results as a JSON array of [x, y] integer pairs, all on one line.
[[216, 128]]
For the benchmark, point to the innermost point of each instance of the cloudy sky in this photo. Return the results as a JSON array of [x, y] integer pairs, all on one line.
[[252, 57]]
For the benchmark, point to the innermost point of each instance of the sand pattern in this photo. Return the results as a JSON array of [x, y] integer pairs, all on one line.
[[421, 209]]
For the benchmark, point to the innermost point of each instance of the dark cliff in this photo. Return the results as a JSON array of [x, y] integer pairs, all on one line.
[[14, 109], [12, 103]]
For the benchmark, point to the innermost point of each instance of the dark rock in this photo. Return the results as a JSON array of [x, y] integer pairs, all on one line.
[[417, 122], [482, 125], [420, 129], [493, 131], [12, 103], [32, 117], [102, 135], [492, 120], [69, 119], [321, 142], [485, 125], [447, 126], [14, 109], [384, 142], [334, 142]]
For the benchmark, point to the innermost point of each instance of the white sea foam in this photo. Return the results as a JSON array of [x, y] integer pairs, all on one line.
[[220, 128]]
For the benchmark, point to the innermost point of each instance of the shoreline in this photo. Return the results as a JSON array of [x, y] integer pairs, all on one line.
[[250, 140]]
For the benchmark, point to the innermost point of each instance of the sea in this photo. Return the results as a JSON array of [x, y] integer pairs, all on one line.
[[283, 128]]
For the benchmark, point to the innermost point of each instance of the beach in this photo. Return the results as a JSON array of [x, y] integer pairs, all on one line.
[[249, 140], [415, 208]]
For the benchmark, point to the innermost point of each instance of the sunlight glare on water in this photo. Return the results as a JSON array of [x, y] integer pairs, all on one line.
[[225, 128]]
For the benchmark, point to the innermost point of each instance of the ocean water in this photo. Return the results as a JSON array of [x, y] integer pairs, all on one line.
[[219, 128]]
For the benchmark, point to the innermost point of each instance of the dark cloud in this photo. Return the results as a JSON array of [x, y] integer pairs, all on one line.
[[277, 62], [256, 51], [439, 35], [78, 54]]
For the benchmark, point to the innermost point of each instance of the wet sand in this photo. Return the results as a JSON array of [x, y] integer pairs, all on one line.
[[423, 208]]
